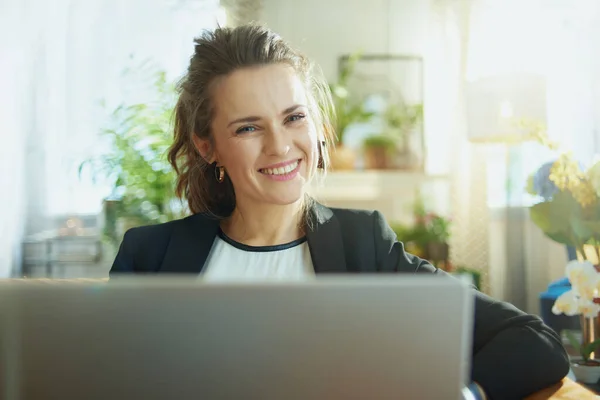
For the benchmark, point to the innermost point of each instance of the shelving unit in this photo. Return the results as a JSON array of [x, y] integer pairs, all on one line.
[[391, 192]]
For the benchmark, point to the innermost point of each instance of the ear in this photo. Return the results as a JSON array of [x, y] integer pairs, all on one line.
[[204, 147]]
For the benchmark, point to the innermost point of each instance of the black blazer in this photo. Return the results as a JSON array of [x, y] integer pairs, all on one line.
[[514, 354]]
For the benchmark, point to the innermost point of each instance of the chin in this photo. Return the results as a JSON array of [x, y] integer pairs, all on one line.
[[289, 196]]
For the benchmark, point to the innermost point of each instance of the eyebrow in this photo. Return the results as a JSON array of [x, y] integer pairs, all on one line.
[[254, 118]]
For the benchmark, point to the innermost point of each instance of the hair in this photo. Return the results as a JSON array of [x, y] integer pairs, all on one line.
[[217, 54]]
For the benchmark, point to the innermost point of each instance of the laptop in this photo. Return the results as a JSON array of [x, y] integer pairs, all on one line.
[[360, 337]]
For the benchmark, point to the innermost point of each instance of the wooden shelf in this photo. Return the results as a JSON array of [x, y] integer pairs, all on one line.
[[391, 192]]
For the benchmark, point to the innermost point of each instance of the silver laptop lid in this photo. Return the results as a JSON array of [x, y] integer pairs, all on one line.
[[382, 337]]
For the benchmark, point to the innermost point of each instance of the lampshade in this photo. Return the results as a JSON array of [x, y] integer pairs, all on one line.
[[496, 104]]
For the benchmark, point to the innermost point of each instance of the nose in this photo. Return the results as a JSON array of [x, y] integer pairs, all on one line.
[[277, 142]]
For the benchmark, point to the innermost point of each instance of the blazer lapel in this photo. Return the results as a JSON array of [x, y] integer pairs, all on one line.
[[325, 241], [190, 244]]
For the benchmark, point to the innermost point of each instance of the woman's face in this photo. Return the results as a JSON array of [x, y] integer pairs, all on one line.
[[264, 134]]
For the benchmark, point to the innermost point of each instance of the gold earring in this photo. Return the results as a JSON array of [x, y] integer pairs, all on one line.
[[220, 174]]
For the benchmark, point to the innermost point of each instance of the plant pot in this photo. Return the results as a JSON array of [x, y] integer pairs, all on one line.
[[343, 158], [378, 157], [438, 251], [589, 374]]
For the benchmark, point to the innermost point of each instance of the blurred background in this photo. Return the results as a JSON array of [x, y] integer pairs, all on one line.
[[446, 109]]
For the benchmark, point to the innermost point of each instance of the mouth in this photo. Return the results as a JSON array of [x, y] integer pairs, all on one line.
[[282, 170]]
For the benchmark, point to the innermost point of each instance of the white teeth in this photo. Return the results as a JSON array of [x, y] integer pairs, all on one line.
[[281, 170]]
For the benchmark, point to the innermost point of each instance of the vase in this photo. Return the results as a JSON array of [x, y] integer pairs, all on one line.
[[588, 374], [378, 157], [343, 158]]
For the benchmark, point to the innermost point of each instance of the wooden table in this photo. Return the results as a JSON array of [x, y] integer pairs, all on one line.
[[565, 390]]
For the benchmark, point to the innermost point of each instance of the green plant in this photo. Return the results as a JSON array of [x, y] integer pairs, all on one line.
[[473, 272], [348, 110], [569, 208], [432, 227], [138, 136], [402, 118], [380, 141], [584, 351], [428, 227]]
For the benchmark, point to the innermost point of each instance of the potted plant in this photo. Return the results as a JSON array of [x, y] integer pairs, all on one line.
[[428, 236], [401, 120], [438, 228], [138, 136], [379, 151], [582, 299], [348, 111], [586, 369]]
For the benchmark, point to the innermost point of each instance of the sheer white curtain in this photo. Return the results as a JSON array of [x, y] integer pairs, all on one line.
[[14, 90], [60, 60], [446, 63]]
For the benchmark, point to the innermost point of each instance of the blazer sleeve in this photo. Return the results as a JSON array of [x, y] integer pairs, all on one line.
[[514, 354]]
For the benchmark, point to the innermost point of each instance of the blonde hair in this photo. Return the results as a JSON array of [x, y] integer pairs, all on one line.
[[217, 54]]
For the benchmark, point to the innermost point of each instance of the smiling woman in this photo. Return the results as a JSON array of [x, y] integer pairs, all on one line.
[[267, 146], [252, 126], [254, 114]]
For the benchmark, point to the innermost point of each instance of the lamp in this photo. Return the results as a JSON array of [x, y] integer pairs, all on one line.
[[496, 104]]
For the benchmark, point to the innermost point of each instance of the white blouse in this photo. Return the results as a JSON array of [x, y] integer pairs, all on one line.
[[231, 261]]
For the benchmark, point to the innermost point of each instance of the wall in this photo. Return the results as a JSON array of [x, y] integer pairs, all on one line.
[[325, 30]]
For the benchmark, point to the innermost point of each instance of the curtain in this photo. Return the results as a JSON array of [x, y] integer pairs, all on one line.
[[446, 64], [63, 70], [14, 126]]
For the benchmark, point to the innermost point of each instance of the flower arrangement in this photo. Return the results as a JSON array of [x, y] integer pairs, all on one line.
[[569, 210], [583, 297]]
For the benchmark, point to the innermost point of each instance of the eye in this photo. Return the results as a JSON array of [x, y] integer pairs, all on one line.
[[296, 117], [245, 129]]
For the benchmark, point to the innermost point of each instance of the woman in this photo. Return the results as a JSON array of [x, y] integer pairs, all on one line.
[[252, 127]]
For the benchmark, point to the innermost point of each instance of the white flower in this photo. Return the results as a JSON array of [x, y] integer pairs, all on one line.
[[567, 303], [585, 286], [589, 309], [584, 279]]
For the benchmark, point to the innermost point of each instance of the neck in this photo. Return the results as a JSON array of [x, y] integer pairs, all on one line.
[[265, 224]]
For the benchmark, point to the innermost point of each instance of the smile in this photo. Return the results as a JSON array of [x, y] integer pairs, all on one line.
[[282, 170]]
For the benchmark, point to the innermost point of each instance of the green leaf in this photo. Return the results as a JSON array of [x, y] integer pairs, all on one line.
[[589, 349], [573, 340], [583, 230], [594, 227], [560, 219]]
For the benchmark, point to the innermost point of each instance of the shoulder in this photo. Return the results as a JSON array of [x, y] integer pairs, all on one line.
[[371, 221], [364, 228], [158, 232], [151, 232], [143, 248], [352, 215], [368, 238]]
